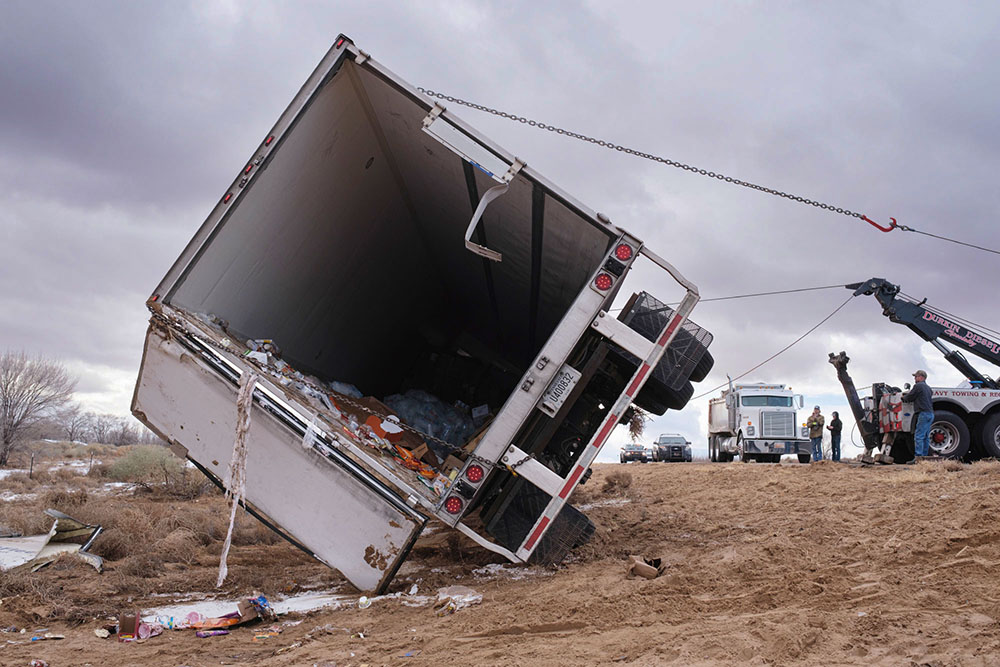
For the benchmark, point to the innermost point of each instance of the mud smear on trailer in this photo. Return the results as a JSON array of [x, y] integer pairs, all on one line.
[[779, 564]]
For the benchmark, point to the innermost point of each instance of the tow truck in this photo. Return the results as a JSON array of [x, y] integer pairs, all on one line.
[[966, 419]]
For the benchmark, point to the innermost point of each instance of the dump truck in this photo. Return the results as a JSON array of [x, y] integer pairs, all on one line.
[[756, 422], [387, 319]]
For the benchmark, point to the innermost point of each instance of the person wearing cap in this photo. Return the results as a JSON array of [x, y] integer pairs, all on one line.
[[815, 424], [835, 427], [920, 396]]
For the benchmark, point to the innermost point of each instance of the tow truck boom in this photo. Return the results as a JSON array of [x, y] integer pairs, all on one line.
[[932, 326]]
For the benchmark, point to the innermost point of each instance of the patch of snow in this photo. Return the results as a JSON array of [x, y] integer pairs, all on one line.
[[10, 471], [604, 503], [7, 496], [508, 571]]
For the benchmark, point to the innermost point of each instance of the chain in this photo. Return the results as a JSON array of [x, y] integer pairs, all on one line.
[[178, 326], [517, 464], [646, 156]]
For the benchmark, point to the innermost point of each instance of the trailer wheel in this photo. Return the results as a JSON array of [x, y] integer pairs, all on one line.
[[702, 368], [949, 437], [713, 452], [990, 435], [804, 458]]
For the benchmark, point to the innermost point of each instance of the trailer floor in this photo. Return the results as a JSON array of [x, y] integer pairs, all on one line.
[[819, 564]]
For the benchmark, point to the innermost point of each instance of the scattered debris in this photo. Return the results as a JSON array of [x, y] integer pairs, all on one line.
[[102, 633], [37, 551], [452, 598], [364, 602], [211, 633], [47, 636], [128, 626], [650, 568]]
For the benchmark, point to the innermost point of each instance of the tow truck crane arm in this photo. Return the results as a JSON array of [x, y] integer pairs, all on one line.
[[932, 326]]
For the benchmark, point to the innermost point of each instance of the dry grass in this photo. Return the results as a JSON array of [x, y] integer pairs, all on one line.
[[616, 481]]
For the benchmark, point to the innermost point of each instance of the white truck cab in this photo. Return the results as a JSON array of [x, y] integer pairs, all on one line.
[[757, 422]]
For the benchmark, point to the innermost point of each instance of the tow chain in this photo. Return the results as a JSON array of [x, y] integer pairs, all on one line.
[[649, 156], [179, 327]]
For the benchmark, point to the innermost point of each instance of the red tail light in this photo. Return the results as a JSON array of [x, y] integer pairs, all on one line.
[[623, 252], [453, 505], [267, 142], [475, 473], [603, 282], [229, 195]]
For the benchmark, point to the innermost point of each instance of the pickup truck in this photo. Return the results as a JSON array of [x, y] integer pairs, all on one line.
[[417, 326]]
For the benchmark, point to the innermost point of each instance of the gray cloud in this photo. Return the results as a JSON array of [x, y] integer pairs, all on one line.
[[122, 124]]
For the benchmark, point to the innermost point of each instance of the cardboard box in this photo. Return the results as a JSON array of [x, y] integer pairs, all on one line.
[[128, 626]]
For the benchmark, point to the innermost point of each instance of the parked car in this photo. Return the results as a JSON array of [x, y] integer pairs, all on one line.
[[634, 452], [672, 447]]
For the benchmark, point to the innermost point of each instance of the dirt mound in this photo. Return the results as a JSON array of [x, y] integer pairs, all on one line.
[[766, 564]]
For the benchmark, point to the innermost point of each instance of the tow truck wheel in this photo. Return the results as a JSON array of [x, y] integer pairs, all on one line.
[[990, 435], [713, 455], [804, 458], [949, 437]]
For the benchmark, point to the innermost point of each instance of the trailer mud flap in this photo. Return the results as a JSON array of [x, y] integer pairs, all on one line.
[[329, 505]]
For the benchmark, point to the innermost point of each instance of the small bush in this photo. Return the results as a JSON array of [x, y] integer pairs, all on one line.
[[147, 465], [60, 499], [617, 481]]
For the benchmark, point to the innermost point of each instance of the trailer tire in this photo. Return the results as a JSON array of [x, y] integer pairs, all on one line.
[[953, 433], [804, 458], [702, 368], [989, 435]]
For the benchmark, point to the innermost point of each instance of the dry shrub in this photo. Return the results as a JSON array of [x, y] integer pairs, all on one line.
[[65, 475], [19, 482], [986, 467], [24, 519], [617, 481], [99, 471], [250, 531], [41, 476], [60, 499], [179, 546], [147, 465]]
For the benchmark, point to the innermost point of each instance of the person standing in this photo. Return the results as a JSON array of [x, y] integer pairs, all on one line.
[[815, 424], [835, 427], [920, 396]]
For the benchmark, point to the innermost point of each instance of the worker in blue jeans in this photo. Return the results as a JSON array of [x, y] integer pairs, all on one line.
[[920, 396], [815, 424]]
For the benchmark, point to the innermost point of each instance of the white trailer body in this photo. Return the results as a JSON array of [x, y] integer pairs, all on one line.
[[755, 422], [380, 241]]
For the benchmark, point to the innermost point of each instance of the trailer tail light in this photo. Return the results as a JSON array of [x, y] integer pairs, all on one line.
[[624, 252], [340, 42], [249, 167], [603, 282], [453, 505], [267, 142], [229, 195], [475, 473]]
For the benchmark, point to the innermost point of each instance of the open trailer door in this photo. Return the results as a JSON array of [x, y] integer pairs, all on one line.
[[296, 479]]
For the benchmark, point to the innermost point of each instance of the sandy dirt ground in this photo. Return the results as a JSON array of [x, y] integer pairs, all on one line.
[[821, 564]]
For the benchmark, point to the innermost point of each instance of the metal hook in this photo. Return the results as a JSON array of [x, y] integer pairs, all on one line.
[[871, 222]]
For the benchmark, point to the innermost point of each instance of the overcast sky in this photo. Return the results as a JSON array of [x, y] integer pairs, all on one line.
[[121, 124]]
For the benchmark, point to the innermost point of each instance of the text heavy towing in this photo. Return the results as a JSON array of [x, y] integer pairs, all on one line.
[[376, 246]]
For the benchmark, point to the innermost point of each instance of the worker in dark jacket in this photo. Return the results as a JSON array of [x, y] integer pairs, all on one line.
[[920, 396], [835, 428]]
